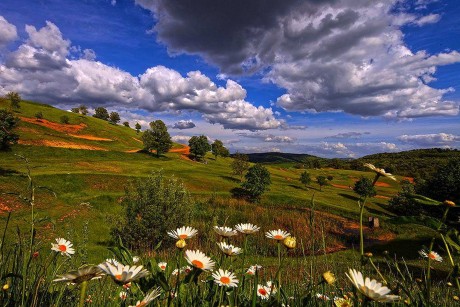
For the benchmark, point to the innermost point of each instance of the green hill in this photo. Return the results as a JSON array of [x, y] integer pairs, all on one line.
[[278, 157]]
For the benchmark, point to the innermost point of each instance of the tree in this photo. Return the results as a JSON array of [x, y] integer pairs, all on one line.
[[39, 115], [138, 127], [152, 206], [83, 109], [364, 188], [218, 149], [257, 181], [64, 119], [114, 118], [75, 110], [8, 122], [305, 178], [101, 113], [126, 124], [15, 99], [157, 138], [321, 180], [199, 146], [240, 164]]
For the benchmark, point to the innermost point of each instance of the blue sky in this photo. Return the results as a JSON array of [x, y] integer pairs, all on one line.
[[330, 78]]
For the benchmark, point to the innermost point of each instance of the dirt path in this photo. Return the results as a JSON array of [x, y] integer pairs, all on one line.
[[65, 128], [89, 137], [60, 144]]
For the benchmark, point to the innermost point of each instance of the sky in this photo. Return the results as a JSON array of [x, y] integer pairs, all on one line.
[[332, 78]]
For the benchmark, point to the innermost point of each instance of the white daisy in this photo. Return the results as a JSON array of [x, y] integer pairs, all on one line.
[[85, 273], [380, 171], [322, 297], [183, 233], [136, 259], [432, 255], [123, 295], [63, 246], [112, 261], [247, 228], [225, 231], [162, 265], [225, 278], [253, 268], [199, 260], [229, 249], [278, 235], [263, 292], [123, 274], [148, 298], [371, 288], [271, 287]]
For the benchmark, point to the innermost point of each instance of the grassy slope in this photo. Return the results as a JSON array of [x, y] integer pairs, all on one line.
[[99, 177]]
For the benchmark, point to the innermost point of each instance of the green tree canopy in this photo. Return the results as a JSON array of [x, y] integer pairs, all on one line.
[[257, 181], [240, 164], [126, 124], [157, 138], [138, 127], [8, 122], [199, 146], [218, 149], [114, 117], [83, 109], [101, 113], [15, 99], [305, 178], [152, 206], [364, 188], [321, 180]]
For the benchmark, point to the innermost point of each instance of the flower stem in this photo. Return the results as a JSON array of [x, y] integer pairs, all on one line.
[[82, 293]]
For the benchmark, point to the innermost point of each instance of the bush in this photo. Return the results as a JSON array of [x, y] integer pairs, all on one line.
[[64, 119], [153, 206], [8, 122], [39, 115], [257, 182], [364, 188]]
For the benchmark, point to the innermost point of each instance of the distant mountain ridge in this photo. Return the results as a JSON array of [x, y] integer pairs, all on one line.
[[278, 157]]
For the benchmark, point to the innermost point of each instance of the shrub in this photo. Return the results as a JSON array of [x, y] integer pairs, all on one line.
[[8, 122], [39, 115], [152, 206], [64, 119], [364, 188], [257, 181]]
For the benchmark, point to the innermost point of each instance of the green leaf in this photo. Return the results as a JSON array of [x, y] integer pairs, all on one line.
[[424, 201], [426, 221]]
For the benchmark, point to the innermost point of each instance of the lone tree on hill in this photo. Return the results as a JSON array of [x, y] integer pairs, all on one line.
[[8, 122], [15, 99], [305, 178], [199, 146], [321, 180], [257, 182], [83, 109], [114, 118], [138, 127], [218, 149], [75, 110], [240, 164], [364, 188], [153, 205], [157, 138], [126, 124], [101, 113]]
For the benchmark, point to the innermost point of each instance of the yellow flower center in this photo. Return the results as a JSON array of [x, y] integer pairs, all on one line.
[[118, 276], [183, 236], [225, 280], [432, 256], [198, 264], [163, 267], [62, 247], [278, 237]]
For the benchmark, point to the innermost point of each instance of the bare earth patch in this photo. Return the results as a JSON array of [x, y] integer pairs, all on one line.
[[382, 197], [340, 186], [89, 137], [66, 128], [381, 184], [60, 144]]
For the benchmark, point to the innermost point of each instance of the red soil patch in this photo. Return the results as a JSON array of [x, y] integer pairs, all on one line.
[[185, 150], [132, 150], [341, 186], [410, 179], [66, 128], [381, 184], [136, 139], [382, 197], [89, 137], [60, 144]]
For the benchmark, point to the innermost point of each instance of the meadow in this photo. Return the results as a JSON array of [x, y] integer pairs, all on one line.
[[85, 166]]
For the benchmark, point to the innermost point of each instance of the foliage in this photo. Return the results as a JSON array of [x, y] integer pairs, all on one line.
[[257, 181], [330, 177], [138, 127], [83, 109], [364, 188], [321, 180], [126, 124], [64, 119], [444, 184], [15, 99], [305, 178], [75, 110], [153, 206], [240, 164], [39, 115], [8, 122], [157, 138], [101, 113], [114, 117], [199, 146], [218, 149]]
